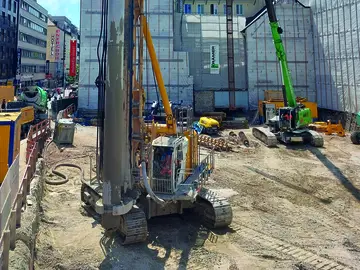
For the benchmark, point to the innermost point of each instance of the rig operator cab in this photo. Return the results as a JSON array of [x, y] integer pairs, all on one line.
[[168, 163]]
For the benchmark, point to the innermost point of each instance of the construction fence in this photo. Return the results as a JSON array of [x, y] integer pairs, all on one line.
[[15, 188]]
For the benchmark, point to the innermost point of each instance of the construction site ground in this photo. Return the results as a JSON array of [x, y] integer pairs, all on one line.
[[294, 208]]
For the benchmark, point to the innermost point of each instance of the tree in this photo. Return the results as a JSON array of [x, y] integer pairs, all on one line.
[[73, 79]]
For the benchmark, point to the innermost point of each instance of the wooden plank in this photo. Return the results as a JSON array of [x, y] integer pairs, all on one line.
[[12, 228], [5, 255], [18, 209]]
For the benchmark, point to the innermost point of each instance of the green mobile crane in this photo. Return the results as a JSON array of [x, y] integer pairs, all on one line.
[[291, 122]]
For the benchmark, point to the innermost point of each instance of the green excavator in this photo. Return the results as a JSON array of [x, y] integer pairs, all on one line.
[[291, 122], [355, 135]]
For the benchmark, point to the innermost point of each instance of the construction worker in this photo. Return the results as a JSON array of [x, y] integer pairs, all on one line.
[[3, 105]]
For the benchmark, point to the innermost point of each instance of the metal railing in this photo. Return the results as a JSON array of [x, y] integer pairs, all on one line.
[[13, 193], [200, 174], [162, 186]]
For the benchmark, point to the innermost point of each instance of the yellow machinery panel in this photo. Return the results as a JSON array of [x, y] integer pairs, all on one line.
[[27, 115], [278, 104], [7, 93], [10, 129]]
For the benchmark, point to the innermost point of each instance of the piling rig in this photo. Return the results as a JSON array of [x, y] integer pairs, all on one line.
[[144, 170]]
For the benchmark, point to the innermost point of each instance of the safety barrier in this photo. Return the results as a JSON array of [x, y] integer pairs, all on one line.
[[37, 134], [69, 111], [13, 193]]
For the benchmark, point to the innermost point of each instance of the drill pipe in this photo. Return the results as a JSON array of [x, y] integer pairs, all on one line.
[[244, 139], [218, 144]]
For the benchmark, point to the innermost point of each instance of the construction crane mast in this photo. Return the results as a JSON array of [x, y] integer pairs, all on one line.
[[147, 170], [291, 122]]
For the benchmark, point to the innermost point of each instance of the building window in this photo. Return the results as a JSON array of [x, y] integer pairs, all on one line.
[[14, 6], [28, 68], [33, 55], [187, 8], [200, 9], [33, 11], [213, 9], [4, 3], [41, 69], [9, 5], [33, 25], [32, 40], [239, 10]]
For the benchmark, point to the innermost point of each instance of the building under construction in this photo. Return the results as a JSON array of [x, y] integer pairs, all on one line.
[[212, 59]]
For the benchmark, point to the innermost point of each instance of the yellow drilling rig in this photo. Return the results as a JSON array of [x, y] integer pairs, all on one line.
[[143, 170]]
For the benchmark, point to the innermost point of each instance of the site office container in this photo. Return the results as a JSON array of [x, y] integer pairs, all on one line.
[[10, 130], [7, 93]]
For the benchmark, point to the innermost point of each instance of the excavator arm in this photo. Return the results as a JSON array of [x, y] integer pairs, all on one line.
[[276, 31]]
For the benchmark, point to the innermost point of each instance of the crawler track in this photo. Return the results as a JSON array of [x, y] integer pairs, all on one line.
[[133, 225], [264, 135], [316, 139], [133, 228], [215, 210], [298, 253]]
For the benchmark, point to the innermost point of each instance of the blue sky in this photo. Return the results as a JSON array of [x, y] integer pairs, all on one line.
[[68, 8]]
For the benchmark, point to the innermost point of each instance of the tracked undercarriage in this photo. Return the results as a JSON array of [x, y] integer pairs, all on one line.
[[271, 139], [214, 211]]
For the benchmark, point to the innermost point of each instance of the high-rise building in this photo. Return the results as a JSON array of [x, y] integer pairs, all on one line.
[[33, 20], [8, 34]]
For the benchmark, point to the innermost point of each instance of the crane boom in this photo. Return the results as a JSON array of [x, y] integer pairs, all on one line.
[[276, 31]]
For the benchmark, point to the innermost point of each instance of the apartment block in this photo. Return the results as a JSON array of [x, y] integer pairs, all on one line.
[[8, 37], [33, 20]]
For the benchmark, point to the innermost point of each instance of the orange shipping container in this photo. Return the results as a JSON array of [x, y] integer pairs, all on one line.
[[10, 129]]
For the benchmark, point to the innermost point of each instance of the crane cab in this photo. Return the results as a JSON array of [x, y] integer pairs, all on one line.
[[168, 163]]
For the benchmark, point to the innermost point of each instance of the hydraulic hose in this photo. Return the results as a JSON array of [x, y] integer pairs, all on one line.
[[147, 186], [64, 177]]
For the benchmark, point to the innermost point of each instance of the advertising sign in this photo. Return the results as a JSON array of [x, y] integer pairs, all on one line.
[[73, 50], [52, 46], [18, 65], [47, 67], [214, 59], [57, 45]]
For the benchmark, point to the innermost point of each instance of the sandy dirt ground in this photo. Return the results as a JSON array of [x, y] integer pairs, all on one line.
[[293, 207]]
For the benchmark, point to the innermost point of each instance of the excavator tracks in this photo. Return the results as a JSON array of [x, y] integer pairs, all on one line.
[[265, 135], [316, 139], [133, 227], [215, 210]]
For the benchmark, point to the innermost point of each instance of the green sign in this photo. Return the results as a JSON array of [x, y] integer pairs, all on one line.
[[214, 59]]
